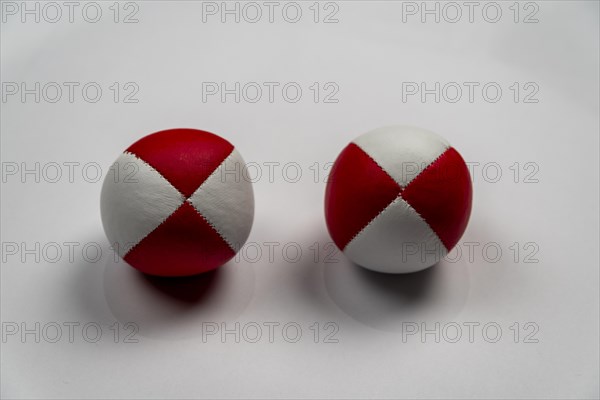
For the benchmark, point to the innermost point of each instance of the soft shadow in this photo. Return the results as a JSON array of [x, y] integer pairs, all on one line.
[[85, 285], [187, 290], [331, 283], [386, 301], [405, 289], [176, 308]]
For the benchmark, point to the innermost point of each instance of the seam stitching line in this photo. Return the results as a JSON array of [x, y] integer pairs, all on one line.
[[426, 223], [395, 198], [411, 206], [202, 215], [384, 208], [184, 201], [180, 194], [379, 165], [370, 222], [167, 217], [427, 167]]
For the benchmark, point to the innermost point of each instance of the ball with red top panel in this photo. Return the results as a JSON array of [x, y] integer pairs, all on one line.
[[177, 203]]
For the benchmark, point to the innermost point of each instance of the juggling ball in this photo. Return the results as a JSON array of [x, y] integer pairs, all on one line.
[[398, 199], [178, 203]]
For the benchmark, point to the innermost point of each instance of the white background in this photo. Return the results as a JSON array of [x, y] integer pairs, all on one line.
[[368, 54]]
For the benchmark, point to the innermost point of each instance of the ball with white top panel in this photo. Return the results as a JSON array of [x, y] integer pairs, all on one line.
[[177, 203], [398, 199]]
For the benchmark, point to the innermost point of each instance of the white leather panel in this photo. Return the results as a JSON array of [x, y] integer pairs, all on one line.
[[402, 151], [226, 200], [398, 240], [134, 201]]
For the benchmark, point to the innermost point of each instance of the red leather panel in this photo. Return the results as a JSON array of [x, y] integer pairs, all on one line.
[[184, 244], [357, 191], [185, 157], [442, 194]]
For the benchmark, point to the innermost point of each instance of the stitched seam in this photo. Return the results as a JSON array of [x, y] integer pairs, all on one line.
[[184, 201], [399, 195], [426, 223], [379, 165], [384, 208], [370, 222], [211, 225], [153, 169], [427, 167], [167, 217], [412, 208], [148, 234], [415, 210], [213, 173], [204, 217]]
